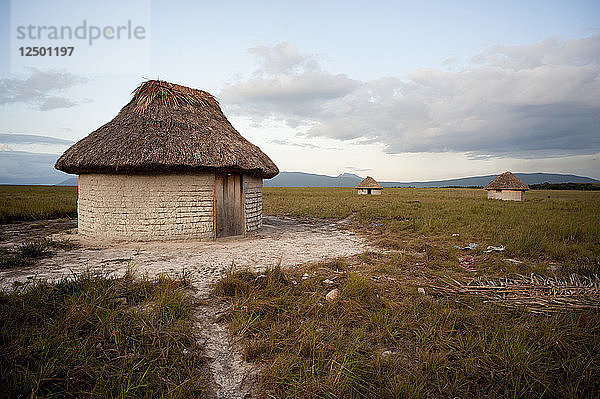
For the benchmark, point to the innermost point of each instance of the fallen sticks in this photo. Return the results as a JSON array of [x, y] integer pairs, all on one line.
[[535, 293]]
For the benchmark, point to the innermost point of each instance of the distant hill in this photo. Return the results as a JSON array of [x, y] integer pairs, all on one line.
[[566, 186], [19, 167], [12, 138], [71, 181], [527, 178], [300, 179]]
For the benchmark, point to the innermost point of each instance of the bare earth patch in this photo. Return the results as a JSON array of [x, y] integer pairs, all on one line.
[[17, 233], [287, 241]]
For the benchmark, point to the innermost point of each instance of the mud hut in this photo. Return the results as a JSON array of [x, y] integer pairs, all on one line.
[[168, 166], [368, 186], [507, 187]]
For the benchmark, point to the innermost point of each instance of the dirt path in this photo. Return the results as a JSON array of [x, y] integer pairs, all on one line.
[[286, 240]]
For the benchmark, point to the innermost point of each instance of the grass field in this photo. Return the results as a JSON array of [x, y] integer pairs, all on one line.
[[561, 227], [380, 338], [36, 202], [99, 337], [383, 338]]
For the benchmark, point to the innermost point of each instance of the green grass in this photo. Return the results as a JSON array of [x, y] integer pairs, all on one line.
[[98, 337], [382, 339], [124, 337], [550, 226], [36, 202]]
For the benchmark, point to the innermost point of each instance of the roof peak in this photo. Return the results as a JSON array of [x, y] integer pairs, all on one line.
[[170, 94], [369, 182], [507, 181]]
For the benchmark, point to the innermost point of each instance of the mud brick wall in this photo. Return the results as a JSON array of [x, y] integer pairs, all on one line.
[[146, 207], [507, 195], [252, 202]]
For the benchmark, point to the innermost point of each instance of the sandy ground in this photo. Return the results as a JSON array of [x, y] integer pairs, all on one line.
[[286, 240]]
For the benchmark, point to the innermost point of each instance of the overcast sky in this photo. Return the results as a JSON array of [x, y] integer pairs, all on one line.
[[402, 92]]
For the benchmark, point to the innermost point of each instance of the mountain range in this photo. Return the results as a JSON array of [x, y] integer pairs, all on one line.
[[301, 179], [20, 167]]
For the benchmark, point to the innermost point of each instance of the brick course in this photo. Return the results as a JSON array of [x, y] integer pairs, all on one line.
[[253, 202], [157, 207], [146, 207]]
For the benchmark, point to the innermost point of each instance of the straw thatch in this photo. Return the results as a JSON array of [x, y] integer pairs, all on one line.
[[507, 181], [167, 128], [369, 182]]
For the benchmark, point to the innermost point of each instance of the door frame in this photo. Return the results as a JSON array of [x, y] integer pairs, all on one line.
[[242, 203]]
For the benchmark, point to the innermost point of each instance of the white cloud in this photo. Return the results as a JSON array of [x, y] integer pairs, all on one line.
[[282, 58], [40, 89], [288, 86], [33, 144], [518, 101], [551, 51]]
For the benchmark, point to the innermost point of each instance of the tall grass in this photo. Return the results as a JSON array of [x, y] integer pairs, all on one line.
[[36, 202], [383, 340], [98, 337], [25, 253]]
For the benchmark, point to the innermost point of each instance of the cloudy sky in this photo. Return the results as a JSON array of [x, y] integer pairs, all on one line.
[[402, 91]]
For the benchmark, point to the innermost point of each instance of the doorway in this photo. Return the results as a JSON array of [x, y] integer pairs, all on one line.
[[228, 204]]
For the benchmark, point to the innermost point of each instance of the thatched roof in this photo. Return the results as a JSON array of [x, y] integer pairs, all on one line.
[[507, 181], [369, 182], [167, 128]]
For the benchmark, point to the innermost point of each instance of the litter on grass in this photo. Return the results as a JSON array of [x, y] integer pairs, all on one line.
[[469, 246], [491, 248], [332, 295], [467, 263]]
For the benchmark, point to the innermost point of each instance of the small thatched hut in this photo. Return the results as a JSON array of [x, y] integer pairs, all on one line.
[[168, 166], [369, 186], [507, 187]]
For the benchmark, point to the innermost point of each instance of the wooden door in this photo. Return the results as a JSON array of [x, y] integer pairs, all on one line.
[[228, 204]]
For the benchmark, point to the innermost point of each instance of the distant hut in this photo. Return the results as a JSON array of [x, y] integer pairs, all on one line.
[[507, 187], [168, 166], [368, 186]]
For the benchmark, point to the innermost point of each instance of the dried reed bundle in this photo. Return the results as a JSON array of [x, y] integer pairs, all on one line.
[[535, 293]]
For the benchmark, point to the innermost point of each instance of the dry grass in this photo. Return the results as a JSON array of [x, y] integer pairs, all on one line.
[[98, 337], [383, 338], [26, 253], [552, 231], [380, 338]]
